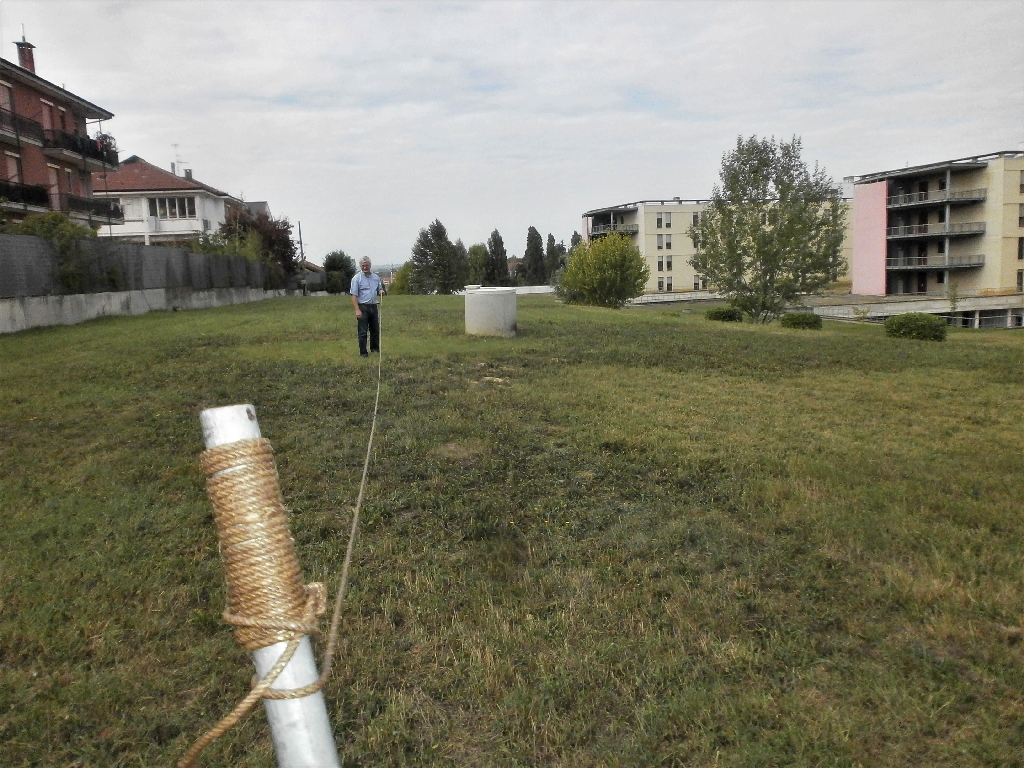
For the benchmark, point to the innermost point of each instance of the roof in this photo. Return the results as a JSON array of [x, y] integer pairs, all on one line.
[[136, 175], [31, 79], [974, 162], [633, 206]]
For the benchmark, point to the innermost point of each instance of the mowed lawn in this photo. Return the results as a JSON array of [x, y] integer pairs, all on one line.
[[632, 538]]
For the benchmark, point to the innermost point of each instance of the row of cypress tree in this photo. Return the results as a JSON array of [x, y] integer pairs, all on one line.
[[437, 265]]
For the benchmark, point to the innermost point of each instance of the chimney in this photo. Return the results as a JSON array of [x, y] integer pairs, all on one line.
[[26, 60], [188, 174]]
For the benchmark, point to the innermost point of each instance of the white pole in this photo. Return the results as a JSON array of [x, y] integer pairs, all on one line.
[[300, 727]]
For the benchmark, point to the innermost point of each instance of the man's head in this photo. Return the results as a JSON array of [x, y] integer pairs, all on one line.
[[364, 264]]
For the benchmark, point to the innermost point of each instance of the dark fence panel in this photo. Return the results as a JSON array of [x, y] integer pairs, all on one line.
[[29, 266]]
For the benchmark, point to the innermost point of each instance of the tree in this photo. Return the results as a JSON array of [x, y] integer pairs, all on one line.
[[773, 231], [275, 236], [497, 261], [575, 240], [461, 264], [531, 270], [477, 256], [435, 266], [340, 269], [400, 285], [606, 272], [554, 256]]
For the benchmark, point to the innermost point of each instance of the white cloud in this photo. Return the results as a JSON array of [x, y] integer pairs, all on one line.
[[367, 121]]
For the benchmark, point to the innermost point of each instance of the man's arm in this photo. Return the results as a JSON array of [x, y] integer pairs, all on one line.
[[355, 304]]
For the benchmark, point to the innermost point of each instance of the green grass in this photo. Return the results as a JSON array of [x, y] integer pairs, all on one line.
[[620, 539]]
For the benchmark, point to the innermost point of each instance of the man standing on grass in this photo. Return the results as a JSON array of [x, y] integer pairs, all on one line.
[[365, 289]]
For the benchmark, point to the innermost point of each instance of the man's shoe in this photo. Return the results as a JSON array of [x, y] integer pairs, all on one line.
[[364, 354], [377, 350]]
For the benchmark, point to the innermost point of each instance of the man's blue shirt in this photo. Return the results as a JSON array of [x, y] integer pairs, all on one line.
[[365, 287]]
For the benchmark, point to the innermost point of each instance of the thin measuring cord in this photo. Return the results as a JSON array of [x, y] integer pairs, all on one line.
[[332, 636]]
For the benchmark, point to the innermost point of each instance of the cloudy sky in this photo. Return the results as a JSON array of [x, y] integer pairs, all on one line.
[[366, 121]]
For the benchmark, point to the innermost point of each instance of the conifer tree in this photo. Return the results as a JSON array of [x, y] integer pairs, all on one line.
[[532, 270], [497, 261], [435, 265]]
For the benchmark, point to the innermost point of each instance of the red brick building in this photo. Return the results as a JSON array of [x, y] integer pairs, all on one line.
[[46, 155]]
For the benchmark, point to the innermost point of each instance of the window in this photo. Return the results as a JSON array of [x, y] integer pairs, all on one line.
[[940, 277], [63, 117], [1022, 181], [941, 246], [668, 242], [172, 207], [661, 265], [1020, 248], [696, 282], [668, 284], [1020, 215], [668, 262], [668, 224], [703, 283], [14, 168], [47, 112], [658, 220], [7, 99], [1020, 279], [942, 215], [942, 185], [67, 177], [661, 284], [695, 217], [661, 242]]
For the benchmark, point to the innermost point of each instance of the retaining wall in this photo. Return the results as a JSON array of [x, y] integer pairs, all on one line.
[[23, 312]]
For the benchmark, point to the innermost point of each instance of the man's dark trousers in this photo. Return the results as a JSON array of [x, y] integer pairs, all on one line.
[[368, 323]]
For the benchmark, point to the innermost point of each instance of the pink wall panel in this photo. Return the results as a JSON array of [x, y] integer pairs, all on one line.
[[869, 220]]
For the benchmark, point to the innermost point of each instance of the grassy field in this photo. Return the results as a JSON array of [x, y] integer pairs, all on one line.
[[629, 538]]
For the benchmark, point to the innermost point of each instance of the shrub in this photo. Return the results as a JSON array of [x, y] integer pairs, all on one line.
[[805, 320], [64, 235], [336, 282], [725, 314], [916, 325], [400, 285], [606, 273]]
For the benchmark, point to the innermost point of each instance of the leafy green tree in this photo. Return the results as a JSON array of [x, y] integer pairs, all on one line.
[[497, 261], [606, 272], [531, 270], [275, 236], [554, 256], [575, 240], [773, 231], [461, 264], [477, 256], [436, 265], [340, 268], [400, 285], [73, 263]]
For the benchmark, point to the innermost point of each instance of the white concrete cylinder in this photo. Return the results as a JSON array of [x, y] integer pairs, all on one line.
[[300, 728], [491, 312]]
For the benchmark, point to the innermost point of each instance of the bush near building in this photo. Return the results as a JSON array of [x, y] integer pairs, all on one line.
[[804, 320], [725, 314], [916, 325], [605, 273]]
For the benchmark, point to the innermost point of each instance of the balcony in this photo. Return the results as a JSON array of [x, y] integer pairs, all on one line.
[[942, 229], [915, 263], [90, 208], [604, 229], [81, 151], [15, 126], [937, 197], [24, 196]]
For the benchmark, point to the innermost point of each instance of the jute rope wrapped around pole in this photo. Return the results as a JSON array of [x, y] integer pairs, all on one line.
[[272, 611]]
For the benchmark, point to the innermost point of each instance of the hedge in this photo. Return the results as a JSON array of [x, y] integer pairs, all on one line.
[[807, 320], [916, 325], [725, 314]]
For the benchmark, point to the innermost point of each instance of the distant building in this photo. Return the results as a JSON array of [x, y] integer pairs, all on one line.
[[951, 227], [659, 229], [46, 154], [160, 206]]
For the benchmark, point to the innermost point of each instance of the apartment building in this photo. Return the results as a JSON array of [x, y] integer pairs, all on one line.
[[47, 154], [951, 228], [160, 206], [659, 229]]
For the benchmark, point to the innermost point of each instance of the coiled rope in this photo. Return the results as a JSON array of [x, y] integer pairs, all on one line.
[[267, 602]]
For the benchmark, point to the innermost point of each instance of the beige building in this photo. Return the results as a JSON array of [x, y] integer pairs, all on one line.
[[954, 227], [659, 229]]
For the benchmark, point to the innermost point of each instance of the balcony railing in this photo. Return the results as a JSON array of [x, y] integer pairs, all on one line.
[[604, 229], [24, 194], [94, 208], [938, 196], [935, 262], [80, 145], [20, 126], [937, 230]]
